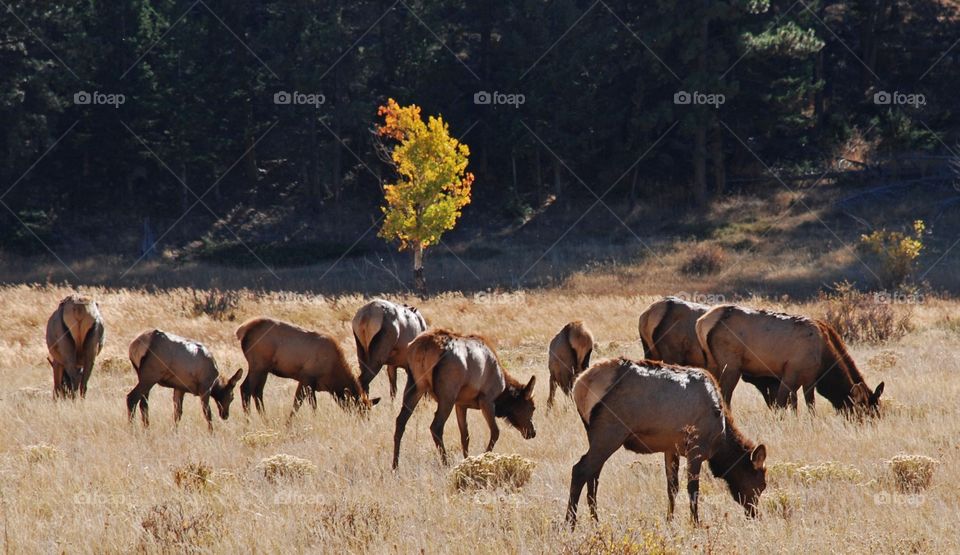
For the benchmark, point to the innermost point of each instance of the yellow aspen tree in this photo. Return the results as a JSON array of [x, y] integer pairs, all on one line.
[[432, 186]]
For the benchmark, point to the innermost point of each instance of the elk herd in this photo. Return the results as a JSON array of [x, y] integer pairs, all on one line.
[[676, 401]]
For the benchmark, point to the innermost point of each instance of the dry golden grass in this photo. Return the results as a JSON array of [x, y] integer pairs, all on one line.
[[77, 478]]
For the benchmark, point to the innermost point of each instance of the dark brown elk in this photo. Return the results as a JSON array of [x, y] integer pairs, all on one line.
[[165, 359], [75, 337], [796, 351], [569, 354], [314, 360], [650, 407], [462, 371], [382, 330], [668, 333]]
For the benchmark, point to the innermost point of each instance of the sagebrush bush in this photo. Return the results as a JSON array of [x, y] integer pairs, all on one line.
[[217, 304], [912, 473], [705, 259], [193, 476], [815, 472], [603, 540], [897, 252], [41, 452], [259, 438], [864, 317], [285, 466], [492, 470], [176, 530]]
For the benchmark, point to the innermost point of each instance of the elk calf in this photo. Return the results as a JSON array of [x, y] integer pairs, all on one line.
[[795, 351], [75, 337], [382, 331], [569, 355], [649, 407], [668, 333], [313, 359], [462, 371], [182, 365]]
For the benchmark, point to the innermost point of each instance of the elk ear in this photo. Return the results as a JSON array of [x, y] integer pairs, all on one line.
[[528, 389], [860, 393], [875, 398], [758, 456], [236, 378]]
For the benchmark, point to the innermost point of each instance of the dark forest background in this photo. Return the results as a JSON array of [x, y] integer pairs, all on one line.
[[199, 155]]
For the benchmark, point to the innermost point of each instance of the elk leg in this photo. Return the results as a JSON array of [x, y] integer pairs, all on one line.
[[377, 355], [177, 405], [145, 406], [729, 378], [592, 485], [132, 399], [671, 463], [58, 387], [207, 414], [553, 390], [464, 433], [787, 394], [392, 376], [606, 433], [91, 348], [808, 396], [694, 463], [444, 408], [302, 392], [489, 414], [411, 396]]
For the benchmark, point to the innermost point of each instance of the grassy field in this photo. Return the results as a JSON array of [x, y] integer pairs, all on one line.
[[77, 478]]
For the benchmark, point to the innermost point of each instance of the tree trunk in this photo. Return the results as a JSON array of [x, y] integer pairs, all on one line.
[[699, 191], [420, 282], [719, 168]]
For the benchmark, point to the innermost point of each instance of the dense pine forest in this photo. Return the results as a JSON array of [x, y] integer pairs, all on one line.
[[133, 122]]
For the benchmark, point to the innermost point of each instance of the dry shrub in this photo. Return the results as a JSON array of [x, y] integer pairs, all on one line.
[[193, 476], [705, 259], [285, 466], [492, 470], [259, 438], [41, 452], [883, 361], [781, 503], [32, 393], [863, 316], [912, 473], [217, 304], [603, 540], [114, 365], [171, 527], [357, 523], [809, 473]]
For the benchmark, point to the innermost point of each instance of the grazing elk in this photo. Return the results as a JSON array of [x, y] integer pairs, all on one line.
[[162, 358], [75, 337], [462, 371], [650, 407], [668, 333], [569, 355], [382, 331], [314, 360], [797, 351]]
